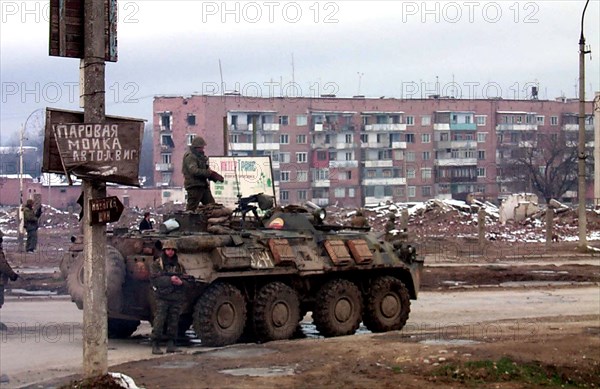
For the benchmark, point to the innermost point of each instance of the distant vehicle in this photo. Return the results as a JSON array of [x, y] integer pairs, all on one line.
[[258, 276]]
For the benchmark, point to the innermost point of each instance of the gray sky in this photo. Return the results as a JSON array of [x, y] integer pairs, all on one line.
[[469, 49]]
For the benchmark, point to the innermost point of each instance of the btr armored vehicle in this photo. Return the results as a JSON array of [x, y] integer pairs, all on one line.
[[259, 276]]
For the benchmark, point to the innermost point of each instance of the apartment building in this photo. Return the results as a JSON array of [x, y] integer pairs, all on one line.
[[356, 151]]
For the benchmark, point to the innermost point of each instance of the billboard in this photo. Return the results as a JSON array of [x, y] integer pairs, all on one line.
[[244, 176]]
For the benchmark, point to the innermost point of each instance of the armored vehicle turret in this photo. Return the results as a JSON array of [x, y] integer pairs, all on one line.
[[259, 276]]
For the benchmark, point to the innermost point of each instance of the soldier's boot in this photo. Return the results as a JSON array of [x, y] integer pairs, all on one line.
[[171, 347], [156, 348]]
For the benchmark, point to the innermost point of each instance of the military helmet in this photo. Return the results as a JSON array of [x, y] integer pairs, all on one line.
[[169, 244], [29, 202], [359, 212], [198, 142]]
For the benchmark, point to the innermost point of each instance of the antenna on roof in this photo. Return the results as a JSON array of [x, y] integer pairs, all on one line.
[[221, 73], [293, 76]]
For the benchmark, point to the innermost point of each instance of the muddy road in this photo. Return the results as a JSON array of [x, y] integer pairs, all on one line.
[[43, 340]]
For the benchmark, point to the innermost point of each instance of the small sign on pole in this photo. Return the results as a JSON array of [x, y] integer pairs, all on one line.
[[105, 210]]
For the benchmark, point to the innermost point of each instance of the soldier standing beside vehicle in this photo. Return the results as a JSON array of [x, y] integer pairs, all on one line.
[[166, 275], [196, 173], [359, 220], [31, 221], [6, 272]]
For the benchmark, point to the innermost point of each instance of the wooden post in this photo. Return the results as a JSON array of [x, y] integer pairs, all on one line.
[[95, 336], [481, 225], [549, 225]]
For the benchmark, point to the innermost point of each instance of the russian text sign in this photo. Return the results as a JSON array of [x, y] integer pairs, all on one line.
[[105, 210]]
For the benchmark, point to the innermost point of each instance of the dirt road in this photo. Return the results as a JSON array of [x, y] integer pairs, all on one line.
[[43, 341]]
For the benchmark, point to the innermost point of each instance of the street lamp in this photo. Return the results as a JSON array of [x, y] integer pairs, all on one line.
[[581, 190]]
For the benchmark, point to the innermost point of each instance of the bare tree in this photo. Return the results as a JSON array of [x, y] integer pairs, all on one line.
[[549, 164]]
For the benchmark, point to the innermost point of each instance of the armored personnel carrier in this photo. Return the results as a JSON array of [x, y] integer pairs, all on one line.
[[259, 276]]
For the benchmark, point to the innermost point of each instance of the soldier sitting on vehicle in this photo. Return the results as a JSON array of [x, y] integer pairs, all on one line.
[[359, 220], [167, 279]]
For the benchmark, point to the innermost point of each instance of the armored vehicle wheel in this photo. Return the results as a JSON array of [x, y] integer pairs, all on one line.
[[220, 315], [115, 276], [276, 312], [387, 305], [121, 328], [338, 308]]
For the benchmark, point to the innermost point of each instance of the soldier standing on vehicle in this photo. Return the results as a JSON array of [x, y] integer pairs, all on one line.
[[166, 275], [6, 272], [390, 225], [31, 221], [197, 173]]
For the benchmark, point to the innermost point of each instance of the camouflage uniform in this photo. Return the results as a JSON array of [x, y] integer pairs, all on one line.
[[359, 221], [196, 173], [169, 299], [30, 219], [6, 272]]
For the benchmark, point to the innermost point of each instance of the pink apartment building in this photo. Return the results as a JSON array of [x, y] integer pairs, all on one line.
[[356, 151]]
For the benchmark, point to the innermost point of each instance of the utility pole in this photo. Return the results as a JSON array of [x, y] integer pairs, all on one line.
[[581, 190], [95, 334]]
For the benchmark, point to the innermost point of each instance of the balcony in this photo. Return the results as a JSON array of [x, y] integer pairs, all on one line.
[[456, 180], [376, 200], [575, 127], [384, 181], [164, 167], [463, 127], [441, 126], [321, 201], [343, 146], [456, 162], [321, 183], [456, 144], [374, 145], [379, 163], [528, 144], [386, 127], [516, 127], [398, 145], [343, 164], [259, 146], [270, 127]]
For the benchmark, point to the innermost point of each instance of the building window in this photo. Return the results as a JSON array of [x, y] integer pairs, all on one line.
[[426, 191], [339, 192], [191, 119], [540, 120], [426, 120], [410, 138], [410, 172], [426, 173], [480, 172], [189, 138], [167, 140], [302, 176], [410, 156], [480, 154], [321, 156], [301, 157], [284, 120], [364, 138], [426, 156], [349, 157], [351, 193], [301, 195], [301, 139], [425, 138], [284, 176], [480, 120], [301, 120], [554, 120], [166, 178], [348, 138], [165, 158], [284, 157], [410, 120], [284, 195], [412, 191], [165, 121], [481, 137], [284, 139]]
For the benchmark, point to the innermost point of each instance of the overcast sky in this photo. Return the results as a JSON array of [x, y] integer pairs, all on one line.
[[469, 49]]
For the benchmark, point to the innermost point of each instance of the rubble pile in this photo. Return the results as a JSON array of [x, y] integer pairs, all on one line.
[[431, 219]]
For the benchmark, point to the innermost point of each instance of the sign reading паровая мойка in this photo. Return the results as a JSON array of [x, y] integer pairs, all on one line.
[[108, 151]]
